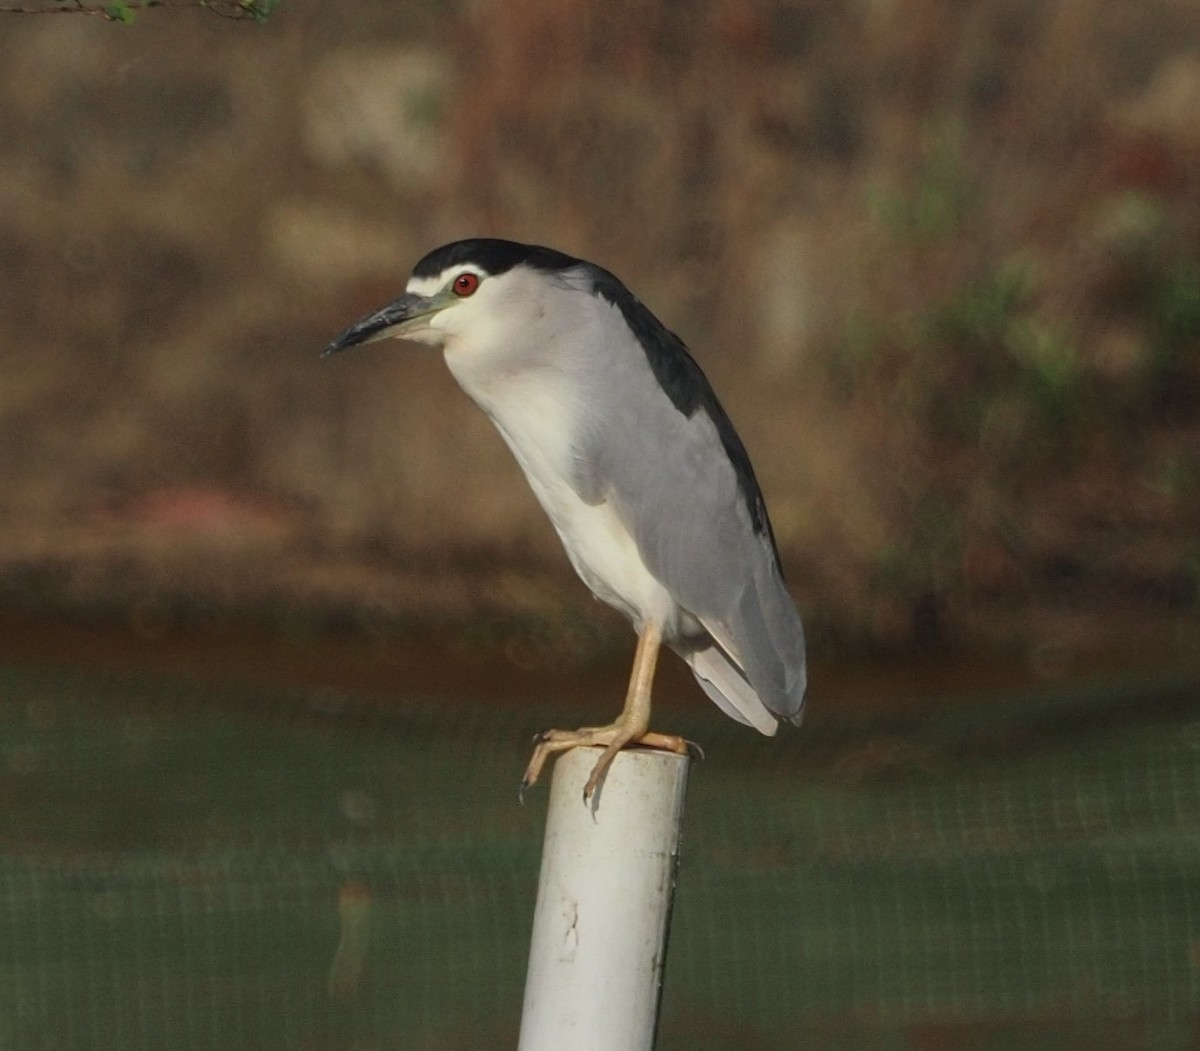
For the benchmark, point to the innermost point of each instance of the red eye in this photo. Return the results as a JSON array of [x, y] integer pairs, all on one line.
[[465, 284]]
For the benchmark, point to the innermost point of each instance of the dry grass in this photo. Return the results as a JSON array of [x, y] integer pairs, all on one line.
[[940, 259]]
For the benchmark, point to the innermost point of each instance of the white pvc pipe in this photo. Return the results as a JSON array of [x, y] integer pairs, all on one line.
[[603, 903]]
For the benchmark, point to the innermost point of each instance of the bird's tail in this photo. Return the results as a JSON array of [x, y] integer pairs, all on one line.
[[756, 671], [770, 643], [729, 689]]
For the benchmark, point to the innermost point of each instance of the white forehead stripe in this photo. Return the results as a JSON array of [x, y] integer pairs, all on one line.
[[427, 286]]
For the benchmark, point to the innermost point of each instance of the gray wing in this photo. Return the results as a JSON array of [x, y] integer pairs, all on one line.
[[698, 520]]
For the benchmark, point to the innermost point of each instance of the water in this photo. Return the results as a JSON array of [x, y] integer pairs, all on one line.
[[239, 841]]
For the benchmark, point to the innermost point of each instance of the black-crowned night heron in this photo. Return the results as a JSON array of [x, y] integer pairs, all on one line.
[[630, 454]]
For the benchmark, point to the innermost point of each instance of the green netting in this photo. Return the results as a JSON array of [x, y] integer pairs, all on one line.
[[180, 864]]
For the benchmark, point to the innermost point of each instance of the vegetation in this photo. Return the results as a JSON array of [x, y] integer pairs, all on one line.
[[941, 261], [127, 10]]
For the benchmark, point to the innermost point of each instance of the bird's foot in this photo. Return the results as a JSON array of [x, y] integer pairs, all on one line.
[[611, 738]]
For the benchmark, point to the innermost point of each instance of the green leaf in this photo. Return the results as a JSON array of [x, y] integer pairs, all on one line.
[[260, 10], [119, 11]]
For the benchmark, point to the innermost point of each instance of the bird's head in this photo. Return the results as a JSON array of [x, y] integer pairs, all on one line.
[[474, 288]]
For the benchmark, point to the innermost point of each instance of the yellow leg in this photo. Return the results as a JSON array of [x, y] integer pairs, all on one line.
[[630, 727]]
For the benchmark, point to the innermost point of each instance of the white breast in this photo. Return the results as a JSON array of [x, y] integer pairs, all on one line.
[[536, 413]]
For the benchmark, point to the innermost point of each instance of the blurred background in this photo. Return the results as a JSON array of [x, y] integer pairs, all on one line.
[[940, 259]]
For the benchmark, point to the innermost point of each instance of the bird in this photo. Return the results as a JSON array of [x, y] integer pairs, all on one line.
[[638, 467]]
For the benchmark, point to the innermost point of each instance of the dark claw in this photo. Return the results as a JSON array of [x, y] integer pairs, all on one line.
[[592, 800], [521, 791]]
